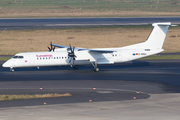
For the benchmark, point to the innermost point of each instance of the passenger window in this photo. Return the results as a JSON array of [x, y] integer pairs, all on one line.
[[57, 57], [62, 57]]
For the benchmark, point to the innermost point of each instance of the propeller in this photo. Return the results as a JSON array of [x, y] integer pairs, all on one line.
[[71, 54], [52, 48]]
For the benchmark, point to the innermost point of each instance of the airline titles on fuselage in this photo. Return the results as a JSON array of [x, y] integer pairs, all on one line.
[[44, 55]]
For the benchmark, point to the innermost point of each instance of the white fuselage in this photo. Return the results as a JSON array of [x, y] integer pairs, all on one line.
[[60, 57]]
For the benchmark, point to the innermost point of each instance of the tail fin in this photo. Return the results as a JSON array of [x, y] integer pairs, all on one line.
[[157, 36]]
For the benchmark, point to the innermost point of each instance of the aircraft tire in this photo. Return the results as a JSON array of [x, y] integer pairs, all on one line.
[[11, 70], [96, 69], [75, 66]]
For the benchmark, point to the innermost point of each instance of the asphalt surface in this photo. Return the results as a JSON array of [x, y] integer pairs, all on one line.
[[44, 23], [113, 82]]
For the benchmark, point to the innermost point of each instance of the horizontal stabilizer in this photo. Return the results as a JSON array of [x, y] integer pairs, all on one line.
[[162, 24]]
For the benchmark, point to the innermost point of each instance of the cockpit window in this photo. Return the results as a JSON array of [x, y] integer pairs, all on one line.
[[15, 57], [18, 57]]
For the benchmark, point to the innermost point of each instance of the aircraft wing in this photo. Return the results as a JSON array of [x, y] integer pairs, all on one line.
[[59, 46], [97, 51], [98, 55], [83, 49], [102, 51]]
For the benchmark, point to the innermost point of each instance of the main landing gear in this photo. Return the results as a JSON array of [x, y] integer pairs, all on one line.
[[11, 69], [75, 66], [96, 69]]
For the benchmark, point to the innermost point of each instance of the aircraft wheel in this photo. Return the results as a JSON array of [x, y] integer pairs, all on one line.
[[75, 66], [11, 70], [96, 69]]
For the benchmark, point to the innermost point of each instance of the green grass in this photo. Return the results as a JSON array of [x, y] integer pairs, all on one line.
[[161, 57], [35, 96], [4, 58], [106, 27], [95, 5]]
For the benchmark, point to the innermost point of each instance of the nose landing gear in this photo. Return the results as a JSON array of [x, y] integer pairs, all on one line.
[[11, 69]]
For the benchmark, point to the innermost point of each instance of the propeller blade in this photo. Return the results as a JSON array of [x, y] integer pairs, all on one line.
[[70, 48], [70, 60], [53, 48], [73, 49], [49, 48], [71, 54], [51, 45]]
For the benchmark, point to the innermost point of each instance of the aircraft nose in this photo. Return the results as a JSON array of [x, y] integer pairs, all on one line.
[[6, 64]]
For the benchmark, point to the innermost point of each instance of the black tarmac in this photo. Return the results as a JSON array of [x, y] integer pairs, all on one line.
[[112, 83]]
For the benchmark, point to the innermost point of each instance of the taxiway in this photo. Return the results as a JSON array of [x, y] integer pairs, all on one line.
[[116, 86], [44, 23]]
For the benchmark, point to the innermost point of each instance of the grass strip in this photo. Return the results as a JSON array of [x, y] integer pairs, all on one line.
[[88, 8], [161, 57], [4, 58], [35, 96]]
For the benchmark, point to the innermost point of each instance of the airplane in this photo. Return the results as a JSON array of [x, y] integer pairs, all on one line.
[[74, 57]]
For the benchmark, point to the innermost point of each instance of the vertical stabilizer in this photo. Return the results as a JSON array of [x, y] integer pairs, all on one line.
[[157, 36]]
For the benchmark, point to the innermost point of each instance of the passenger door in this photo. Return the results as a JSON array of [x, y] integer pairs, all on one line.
[[31, 60]]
